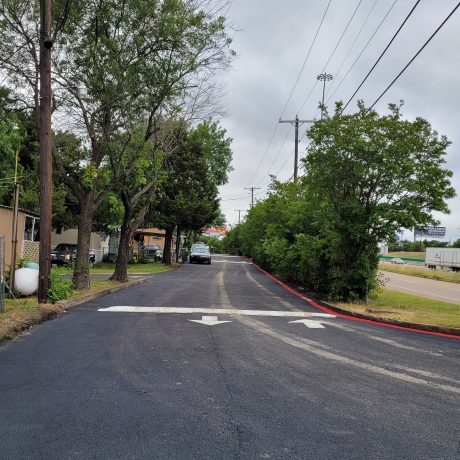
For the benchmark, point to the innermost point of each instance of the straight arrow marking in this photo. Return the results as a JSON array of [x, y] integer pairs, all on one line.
[[309, 323], [208, 320]]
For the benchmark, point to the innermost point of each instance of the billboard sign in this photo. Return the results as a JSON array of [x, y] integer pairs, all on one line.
[[431, 231]]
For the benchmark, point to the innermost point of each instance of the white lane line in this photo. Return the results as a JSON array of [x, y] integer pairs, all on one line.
[[217, 311]]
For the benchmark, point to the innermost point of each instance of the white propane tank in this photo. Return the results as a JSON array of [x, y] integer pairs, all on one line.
[[26, 281]]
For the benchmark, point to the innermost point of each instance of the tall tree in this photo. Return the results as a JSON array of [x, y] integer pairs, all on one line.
[[187, 200], [135, 60], [367, 177]]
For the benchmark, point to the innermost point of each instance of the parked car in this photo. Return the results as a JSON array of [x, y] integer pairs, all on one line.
[[197, 245], [151, 251], [66, 253], [200, 254], [62, 254], [397, 260]]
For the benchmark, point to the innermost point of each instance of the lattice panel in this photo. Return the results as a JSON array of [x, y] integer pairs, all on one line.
[[30, 249]]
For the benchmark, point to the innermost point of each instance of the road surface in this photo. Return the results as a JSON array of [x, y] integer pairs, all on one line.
[[211, 362], [423, 287]]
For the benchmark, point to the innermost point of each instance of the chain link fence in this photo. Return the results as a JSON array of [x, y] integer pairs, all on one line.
[[2, 274]]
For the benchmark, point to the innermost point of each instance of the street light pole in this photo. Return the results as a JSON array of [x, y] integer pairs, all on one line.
[[323, 77], [45, 151]]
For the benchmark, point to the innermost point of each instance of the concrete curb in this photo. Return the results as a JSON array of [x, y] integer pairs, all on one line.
[[450, 332]]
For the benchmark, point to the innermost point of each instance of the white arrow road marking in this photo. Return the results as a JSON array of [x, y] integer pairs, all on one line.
[[217, 311], [309, 323], [209, 320]]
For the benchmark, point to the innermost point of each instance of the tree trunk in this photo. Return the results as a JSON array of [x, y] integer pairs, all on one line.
[[81, 278], [177, 244], [121, 266], [167, 248]]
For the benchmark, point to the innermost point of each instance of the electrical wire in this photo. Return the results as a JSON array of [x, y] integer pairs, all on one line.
[[382, 54], [361, 53], [416, 54], [289, 98], [277, 154], [306, 59], [264, 155], [332, 54], [354, 41]]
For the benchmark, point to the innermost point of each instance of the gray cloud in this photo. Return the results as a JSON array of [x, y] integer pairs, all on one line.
[[272, 43]]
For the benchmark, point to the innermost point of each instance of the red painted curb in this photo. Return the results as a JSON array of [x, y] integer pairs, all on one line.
[[349, 317]]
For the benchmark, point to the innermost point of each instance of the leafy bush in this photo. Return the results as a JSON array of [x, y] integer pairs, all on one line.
[[60, 289]]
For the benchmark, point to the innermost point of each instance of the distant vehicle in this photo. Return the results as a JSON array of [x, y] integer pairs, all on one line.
[[397, 260], [159, 254], [197, 245], [151, 251], [200, 254], [66, 253], [443, 258], [62, 254]]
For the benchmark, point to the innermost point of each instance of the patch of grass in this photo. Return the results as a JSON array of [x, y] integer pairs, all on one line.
[[107, 268], [411, 255], [406, 307], [453, 277]]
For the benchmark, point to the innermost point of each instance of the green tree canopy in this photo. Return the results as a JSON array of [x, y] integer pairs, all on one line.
[[367, 177]]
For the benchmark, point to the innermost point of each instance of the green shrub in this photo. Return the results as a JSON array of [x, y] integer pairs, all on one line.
[[60, 289]]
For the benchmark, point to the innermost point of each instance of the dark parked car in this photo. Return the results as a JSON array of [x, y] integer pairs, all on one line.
[[62, 254], [200, 254], [151, 251], [66, 253]]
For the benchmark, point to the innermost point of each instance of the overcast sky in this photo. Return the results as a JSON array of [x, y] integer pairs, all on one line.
[[272, 40]]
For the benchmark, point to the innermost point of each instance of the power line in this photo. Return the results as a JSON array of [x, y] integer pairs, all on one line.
[[332, 54], [416, 54], [362, 51], [290, 96], [306, 59], [264, 155], [382, 54], [277, 153]]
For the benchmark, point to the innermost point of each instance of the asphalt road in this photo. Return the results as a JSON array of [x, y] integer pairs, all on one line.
[[148, 383], [423, 287]]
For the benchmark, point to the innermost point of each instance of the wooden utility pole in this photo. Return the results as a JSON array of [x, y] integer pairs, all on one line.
[[296, 123], [45, 151], [14, 240], [252, 193], [239, 214]]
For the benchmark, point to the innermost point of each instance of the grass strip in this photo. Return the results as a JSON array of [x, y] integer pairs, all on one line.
[[453, 277], [405, 307], [407, 254], [107, 268]]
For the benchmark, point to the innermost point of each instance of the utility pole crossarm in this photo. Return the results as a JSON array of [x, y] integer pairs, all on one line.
[[252, 193], [296, 123]]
